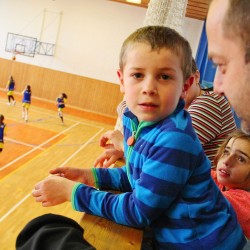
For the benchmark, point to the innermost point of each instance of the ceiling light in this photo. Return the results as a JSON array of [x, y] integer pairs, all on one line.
[[134, 1]]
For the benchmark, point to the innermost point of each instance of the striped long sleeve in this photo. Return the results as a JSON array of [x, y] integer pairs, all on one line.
[[213, 120]]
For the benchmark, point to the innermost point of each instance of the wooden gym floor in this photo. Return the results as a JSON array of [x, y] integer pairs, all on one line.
[[31, 149]]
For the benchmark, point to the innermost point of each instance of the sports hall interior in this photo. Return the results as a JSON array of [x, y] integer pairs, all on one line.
[[86, 37]]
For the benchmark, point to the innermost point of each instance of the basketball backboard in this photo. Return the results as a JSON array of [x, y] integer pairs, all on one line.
[[20, 44]]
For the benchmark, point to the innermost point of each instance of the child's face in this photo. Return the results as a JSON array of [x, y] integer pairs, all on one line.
[[233, 168], [152, 82]]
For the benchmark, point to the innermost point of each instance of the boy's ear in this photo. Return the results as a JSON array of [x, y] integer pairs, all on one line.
[[187, 84], [120, 76], [197, 76]]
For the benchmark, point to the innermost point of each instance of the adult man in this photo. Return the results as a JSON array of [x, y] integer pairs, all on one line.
[[211, 114], [228, 32]]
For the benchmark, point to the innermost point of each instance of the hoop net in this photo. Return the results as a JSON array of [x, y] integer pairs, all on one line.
[[15, 53]]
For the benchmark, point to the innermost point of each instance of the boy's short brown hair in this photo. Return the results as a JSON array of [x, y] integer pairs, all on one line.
[[194, 66], [159, 37]]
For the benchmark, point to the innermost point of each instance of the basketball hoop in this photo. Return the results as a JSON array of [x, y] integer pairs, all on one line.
[[14, 54]]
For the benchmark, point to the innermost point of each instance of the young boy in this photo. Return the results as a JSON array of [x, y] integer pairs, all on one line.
[[166, 182], [211, 115]]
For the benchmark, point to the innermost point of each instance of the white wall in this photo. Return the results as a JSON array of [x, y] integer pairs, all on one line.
[[89, 36]]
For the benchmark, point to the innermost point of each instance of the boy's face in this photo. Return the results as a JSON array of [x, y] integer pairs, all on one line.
[[233, 168], [152, 82]]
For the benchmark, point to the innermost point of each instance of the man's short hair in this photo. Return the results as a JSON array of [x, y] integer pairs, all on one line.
[[237, 23]]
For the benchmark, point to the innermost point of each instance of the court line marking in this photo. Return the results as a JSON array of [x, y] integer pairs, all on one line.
[[21, 143], [68, 159], [53, 115], [58, 145], [38, 147], [67, 118], [14, 208]]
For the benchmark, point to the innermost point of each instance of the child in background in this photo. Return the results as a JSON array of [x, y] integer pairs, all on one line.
[[2, 130], [232, 175], [61, 105], [10, 90], [26, 102], [166, 183]]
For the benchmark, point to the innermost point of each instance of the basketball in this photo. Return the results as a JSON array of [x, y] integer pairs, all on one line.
[[13, 58]]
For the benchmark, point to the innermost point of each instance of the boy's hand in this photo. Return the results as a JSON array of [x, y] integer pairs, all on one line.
[[53, 190], [108, 157], [112, 138]]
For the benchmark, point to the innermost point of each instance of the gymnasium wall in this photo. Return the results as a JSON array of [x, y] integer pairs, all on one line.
[[83, 92], [88, 40]]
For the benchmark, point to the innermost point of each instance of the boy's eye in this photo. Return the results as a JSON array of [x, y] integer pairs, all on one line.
[[164, 77], [137, 75]]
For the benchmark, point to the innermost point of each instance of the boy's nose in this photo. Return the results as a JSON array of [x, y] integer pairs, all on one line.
[[150, 87], [150, 91]]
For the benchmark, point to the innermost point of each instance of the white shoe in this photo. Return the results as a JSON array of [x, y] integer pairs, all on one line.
[[14, 102], [8, 103]]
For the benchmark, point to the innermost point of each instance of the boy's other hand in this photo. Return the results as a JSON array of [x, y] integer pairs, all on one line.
[[108, 157], [112, 138]]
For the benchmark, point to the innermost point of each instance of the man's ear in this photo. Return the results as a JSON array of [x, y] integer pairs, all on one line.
[[120, 76], [187, 84]]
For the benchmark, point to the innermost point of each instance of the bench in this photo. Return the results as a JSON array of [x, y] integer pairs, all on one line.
[[104, 234]]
